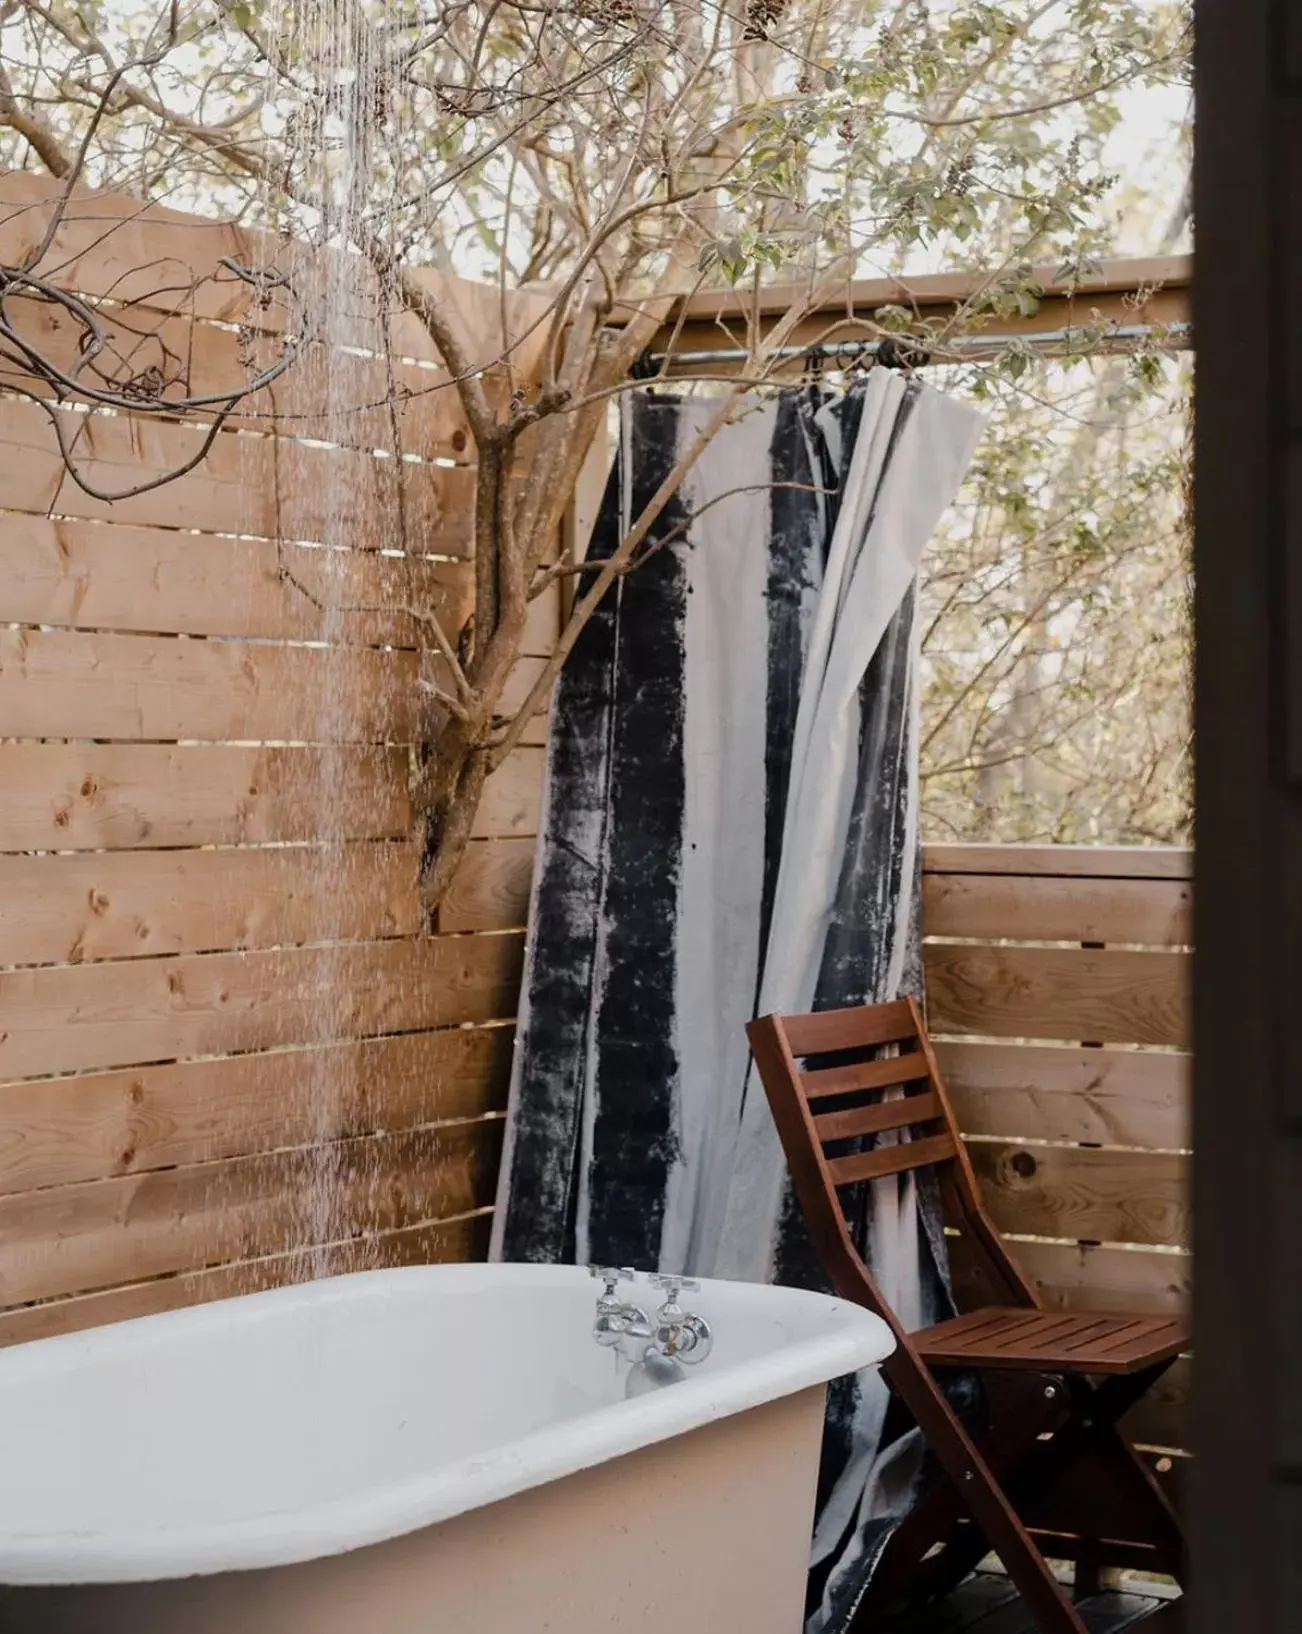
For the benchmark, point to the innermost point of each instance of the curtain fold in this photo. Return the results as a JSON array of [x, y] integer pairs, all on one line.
[[731, 827]]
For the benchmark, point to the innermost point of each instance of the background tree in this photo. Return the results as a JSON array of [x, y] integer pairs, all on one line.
[[1057, 629], [599, 157]]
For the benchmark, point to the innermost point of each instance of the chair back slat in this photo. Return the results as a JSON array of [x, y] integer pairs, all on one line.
[[899, 1069], [874, 1120], [869, 1105], [838, 1081], [863, 1027], [884, 1160]]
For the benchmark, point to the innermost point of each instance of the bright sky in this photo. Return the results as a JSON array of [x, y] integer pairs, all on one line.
[[1146, 151]]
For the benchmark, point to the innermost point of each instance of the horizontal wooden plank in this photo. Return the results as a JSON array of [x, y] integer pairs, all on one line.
[[1082, 1192], [1067, 861], [436, 1242], [69, 1018], [512, 795], [124, 796], [1027, 908], [82, 684], [72, 1239], [101, 576], [490, 890], [131, 904], [86, 684], [341, 396], [71, 797], [58, 1131], [113, 247], [272, 487], [1111, 1097], [116, 248], [1109, 996], [1084, 1276]]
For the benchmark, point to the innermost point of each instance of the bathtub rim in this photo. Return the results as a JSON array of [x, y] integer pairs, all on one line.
[[847, 1338]]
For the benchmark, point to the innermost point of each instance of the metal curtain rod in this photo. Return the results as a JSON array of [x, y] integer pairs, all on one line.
[[897, 349]]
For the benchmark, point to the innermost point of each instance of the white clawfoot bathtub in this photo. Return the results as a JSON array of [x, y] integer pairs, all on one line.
[[418, 1451]]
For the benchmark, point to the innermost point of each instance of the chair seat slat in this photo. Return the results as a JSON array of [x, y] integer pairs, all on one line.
[[1078, 1342], [909, 1154], [872, 1120]]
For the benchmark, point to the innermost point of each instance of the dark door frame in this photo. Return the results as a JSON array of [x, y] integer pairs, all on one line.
[[1246, 1486]]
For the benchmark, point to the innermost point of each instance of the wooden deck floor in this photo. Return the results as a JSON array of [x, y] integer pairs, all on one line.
[[990, 1605]]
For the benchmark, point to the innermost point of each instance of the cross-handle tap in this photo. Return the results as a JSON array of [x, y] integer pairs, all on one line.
[[612, 1276], [679, 1333], [616, 1320]]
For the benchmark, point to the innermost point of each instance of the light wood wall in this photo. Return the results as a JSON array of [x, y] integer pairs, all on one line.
[[1058, 984], [187, 869]]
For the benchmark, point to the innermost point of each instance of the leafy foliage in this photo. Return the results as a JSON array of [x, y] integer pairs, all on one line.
[[610, 153], [1056, 602]]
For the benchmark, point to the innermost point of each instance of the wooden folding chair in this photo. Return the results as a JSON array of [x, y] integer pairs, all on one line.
[[1051, 1470]]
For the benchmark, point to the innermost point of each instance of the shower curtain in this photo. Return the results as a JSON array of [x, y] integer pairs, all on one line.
[[731, 827]]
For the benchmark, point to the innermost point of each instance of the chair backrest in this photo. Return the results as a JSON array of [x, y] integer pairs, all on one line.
[[837, 1081]]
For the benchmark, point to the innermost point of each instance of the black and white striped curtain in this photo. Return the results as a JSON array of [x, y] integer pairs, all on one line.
[[731, 828]]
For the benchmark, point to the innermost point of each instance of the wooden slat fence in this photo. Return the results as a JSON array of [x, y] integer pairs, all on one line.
[[228, 1057], [1058, 988]]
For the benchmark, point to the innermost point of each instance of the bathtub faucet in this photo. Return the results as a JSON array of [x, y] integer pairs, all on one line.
[[657, 1349]]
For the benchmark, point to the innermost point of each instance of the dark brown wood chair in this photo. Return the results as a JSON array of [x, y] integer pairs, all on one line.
[[856, 1096]]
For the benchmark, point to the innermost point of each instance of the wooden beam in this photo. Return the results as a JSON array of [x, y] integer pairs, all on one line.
[[1120, 292]]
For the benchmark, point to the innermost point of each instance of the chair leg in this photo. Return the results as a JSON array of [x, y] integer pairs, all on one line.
[[936, 1517], [1091, 1439], [1128, 1487], [986, 1500], [1088, 1577]]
